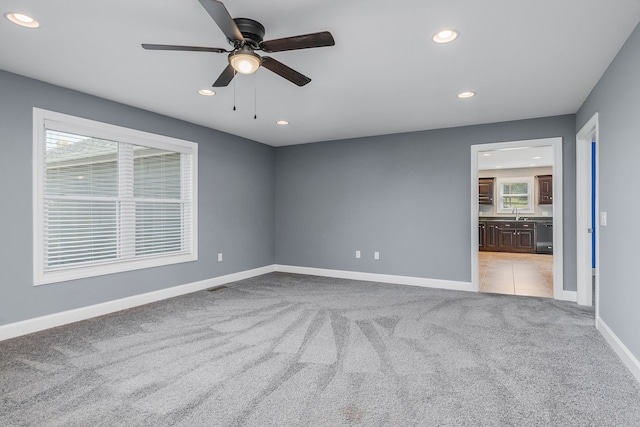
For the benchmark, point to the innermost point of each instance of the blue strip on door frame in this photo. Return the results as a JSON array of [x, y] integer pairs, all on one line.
[[593, 204]]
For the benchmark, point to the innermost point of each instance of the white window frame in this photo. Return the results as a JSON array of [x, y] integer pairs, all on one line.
[[510, 180], [82, 126]]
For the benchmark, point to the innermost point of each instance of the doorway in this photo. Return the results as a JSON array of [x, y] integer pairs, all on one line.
[[509, 242], [587, 141]]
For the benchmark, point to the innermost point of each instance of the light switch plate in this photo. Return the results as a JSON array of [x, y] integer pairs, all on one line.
[[603, 219]]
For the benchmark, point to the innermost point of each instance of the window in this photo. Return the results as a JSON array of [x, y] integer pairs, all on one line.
[[515, 193], [109, 199]]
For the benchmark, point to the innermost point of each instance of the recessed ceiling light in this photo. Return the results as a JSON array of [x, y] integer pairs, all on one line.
[[282, 122], [206, 92], [22, 20], [537, 158], [445, 36], [486, 155], [467, 94]]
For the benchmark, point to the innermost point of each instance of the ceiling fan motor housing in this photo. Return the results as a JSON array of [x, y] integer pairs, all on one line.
[[252, 31]]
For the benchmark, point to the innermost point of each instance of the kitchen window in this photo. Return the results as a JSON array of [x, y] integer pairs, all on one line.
[[515, 193], [109, 199]]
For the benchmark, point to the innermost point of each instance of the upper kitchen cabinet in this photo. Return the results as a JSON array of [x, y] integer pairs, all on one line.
[[545, 189], [485, 191]]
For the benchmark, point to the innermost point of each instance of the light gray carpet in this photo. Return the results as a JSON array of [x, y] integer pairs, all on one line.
[[291, 350]]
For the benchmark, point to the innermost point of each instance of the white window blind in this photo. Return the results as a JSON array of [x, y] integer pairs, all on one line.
[[111, 203]]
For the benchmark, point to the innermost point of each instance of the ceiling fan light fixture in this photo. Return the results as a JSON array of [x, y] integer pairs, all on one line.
[[445, 36], [244, 61], [22, 20]]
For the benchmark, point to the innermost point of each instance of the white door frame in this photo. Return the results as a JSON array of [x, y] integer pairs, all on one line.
[[558, 283], [589, 133]]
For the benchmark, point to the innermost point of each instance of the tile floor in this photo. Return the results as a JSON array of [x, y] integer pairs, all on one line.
[[516, 274]]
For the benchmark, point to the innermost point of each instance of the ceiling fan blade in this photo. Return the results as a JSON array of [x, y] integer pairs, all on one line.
[[221, 16], [305, 41], [183, 48], [282, 70], [225, 77]]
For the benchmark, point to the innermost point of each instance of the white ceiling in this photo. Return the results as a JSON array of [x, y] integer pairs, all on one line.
[[516, 158], [384, 75]]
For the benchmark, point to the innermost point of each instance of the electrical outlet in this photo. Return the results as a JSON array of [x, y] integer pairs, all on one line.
[[220, 257], [376, 255], [357, 254]]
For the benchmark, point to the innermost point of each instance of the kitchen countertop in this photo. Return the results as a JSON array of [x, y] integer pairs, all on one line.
[[513, 218]]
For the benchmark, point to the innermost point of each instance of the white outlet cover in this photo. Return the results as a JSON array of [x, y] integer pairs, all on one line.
[[220, 257], [357, 254], [376, 255], [603, 219]]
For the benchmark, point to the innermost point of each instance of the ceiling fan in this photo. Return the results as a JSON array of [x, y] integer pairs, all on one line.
[[245, 35]]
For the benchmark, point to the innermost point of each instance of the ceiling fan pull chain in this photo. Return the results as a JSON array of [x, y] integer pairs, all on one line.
[[255, 96], [234, 91]]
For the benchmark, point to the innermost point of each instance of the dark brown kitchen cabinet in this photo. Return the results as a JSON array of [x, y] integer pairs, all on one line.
[[487, 235], [526, 237], [545, 189], [491, 241], [504, 236], [507, 236], [485, 191]]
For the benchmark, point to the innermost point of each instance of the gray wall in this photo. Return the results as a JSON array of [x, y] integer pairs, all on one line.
[[406, 196], [236, 202], [617, 100]]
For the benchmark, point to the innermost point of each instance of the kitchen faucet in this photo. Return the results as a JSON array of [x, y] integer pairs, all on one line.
[[515, 211]]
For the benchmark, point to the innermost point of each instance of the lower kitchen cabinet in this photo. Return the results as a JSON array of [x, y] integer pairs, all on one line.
[[517, 237], [526, 238], [488, 235], [508, 236]]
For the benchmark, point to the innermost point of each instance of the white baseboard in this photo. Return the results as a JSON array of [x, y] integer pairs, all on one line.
[[567, 296], [621, 350], [373, 277], [24, 327]]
